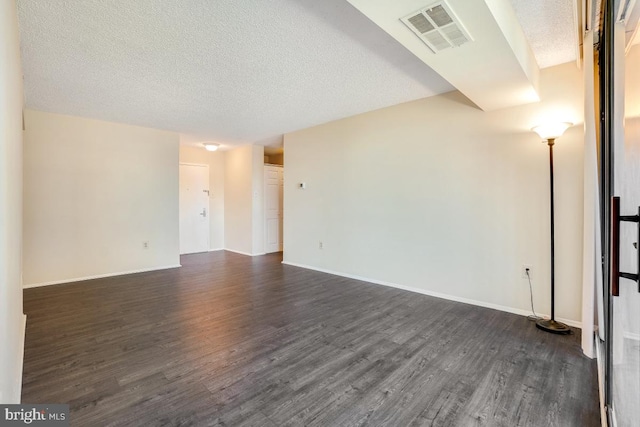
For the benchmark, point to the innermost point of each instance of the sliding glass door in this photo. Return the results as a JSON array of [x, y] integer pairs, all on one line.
[[620, 198], [625, 314]]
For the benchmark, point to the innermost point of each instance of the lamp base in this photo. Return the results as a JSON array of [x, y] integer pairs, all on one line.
[[552, 326]]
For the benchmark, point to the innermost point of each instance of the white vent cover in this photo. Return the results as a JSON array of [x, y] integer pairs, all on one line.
[[438, 27]]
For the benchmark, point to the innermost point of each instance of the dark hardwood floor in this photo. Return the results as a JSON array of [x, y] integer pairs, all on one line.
[[236, 341]]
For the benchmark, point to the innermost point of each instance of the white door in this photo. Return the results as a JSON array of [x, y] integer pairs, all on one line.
[[273, 185], [194, 208]]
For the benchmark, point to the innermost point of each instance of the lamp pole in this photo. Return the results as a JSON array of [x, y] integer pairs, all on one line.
[[550, 142], [551, 325]]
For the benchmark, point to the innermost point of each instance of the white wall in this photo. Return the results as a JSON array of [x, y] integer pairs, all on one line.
[[237, 200], [11, 101], [93, 193], [632, 83], [215, 160], [243, 200], [257, 210], [438, 196]]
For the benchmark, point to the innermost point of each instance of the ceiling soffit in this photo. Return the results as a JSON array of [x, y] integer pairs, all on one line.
[[497, 69]]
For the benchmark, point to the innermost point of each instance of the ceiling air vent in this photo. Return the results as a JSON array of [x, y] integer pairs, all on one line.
[[438, 27]]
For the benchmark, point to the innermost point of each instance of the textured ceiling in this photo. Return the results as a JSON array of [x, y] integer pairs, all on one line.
[[234, 71], [550, 28], [227, 70]]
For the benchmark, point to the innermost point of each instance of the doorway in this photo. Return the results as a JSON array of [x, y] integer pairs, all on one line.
[[273, 190], [194, 208]]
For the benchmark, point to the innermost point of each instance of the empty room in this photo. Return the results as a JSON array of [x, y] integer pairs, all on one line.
[[319, 213]]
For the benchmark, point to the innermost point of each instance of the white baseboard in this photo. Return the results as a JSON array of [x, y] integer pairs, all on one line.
[[98, 276], [243, 253], [570, 322], [512, 310], [23, 338], [216, 249]]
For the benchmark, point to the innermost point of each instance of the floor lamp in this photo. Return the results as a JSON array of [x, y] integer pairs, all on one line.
[[549, 133]]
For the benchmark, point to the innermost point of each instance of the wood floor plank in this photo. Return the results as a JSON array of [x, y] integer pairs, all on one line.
[[231, 340]]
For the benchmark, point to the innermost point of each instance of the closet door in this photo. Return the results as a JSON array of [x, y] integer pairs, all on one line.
[[273, 208]]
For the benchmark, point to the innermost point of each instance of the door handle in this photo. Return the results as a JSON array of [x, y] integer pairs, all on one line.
[[204, 212], [616, 274]]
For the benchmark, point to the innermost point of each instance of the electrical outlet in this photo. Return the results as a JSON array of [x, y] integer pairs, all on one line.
[[145, 244], [320, 244], [524, 271]]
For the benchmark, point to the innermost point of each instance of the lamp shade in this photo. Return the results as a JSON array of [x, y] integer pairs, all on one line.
[[211, 147], [551, 130]]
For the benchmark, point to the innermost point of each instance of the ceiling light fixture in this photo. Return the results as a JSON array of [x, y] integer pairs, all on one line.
[[210, 146]]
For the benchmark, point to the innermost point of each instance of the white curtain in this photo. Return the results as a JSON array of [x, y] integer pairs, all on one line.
[[592, 289], [592, 250]]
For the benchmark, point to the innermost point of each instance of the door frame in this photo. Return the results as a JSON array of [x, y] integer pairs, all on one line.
[[208, 204]]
